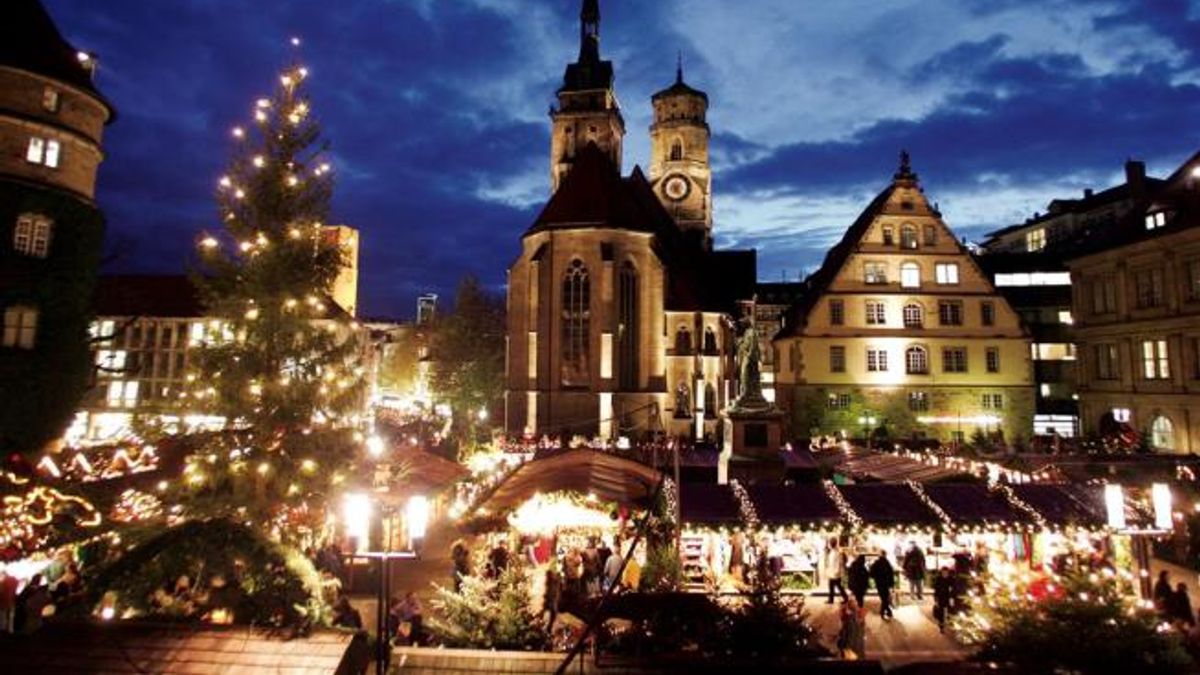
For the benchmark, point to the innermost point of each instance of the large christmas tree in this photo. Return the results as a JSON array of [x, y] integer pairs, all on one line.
[[281, 362]]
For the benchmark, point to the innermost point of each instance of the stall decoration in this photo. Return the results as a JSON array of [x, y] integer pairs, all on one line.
[[543, 514], [1020, 504], [843, 506], [745, 505], [930, 504], [137, 506], [28, 519]]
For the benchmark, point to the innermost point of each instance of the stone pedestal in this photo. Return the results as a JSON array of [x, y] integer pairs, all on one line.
[[750, 452]]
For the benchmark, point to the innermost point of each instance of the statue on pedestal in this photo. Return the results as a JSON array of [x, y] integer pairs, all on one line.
[[749, 355]]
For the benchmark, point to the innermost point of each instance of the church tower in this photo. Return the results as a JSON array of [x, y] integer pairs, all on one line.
[[679, 166], [588, 111]]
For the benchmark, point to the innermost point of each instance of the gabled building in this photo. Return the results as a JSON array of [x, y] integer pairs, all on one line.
[[1136, 306], [900, 329]]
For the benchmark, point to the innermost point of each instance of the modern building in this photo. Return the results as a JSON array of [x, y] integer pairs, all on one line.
[[1136, 298], [52, 120], [1027, 264], [620, 315], [900, 329]]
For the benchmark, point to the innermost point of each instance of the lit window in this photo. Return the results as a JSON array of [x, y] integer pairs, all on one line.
[[1035, 240], [1065, 318], [20, 327], [1044, 388], [877, 360], [122, 394], [111, 359], [837, 359], [42, 151], [1033, 279], [954, 359], [910, 275], [993, 401], [1122, 415], [875, 273], [1053, 351], [908, 237], [839, 401], [993, 359], [50, 99], [197, 337], [1162, 433], [947, 273], [1156, 363], [914, 315], [876, 313], [1156, 220], [916, 361]]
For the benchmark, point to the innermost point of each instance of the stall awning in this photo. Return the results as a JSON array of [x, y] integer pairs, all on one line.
[[1058, 506], [886, 467], [609, 477], [708, 504], [888, 505], [974, 505], [793, 506]]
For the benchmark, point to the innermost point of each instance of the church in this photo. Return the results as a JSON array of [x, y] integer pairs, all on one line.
[[621, 316]]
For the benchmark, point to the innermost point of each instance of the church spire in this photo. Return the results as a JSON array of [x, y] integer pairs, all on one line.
[[679, 67], [589, 31]]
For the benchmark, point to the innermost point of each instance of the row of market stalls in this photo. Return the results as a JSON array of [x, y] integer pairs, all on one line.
[[726, 528]]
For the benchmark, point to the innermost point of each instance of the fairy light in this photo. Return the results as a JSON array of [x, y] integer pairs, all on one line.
[[239, 133], [259, 161]]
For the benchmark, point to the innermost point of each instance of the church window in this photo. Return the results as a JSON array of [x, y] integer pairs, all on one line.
[[576, 325], [910, 275], [710, 401], [676, 150], [908, 237], [627, 339], [914, 315], [683, 341], [710, 341], [916, 361]]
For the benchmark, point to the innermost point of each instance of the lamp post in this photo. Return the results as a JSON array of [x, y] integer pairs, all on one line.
[[358, 515], [868, 422]]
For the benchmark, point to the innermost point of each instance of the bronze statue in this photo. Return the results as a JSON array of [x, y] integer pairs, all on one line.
[[750, 369]]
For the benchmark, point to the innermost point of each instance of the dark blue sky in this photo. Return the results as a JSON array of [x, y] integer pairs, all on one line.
[[436, 110]]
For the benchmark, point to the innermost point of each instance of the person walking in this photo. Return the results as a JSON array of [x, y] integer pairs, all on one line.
[[884, 576], [914, 571], [461, 556], [851, 640], [835, 570], [1180, 607], [552, 596], [8, 601], [1162, 593], [859, 579], [943, 597]]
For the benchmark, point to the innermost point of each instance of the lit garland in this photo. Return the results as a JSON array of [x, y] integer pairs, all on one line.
[[669, 490], [1020, 504], [843, 506], [26, 517], [745, 506], [919, 490], [135, 505]]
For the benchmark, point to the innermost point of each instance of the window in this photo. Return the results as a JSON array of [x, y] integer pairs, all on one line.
[[839, 401], [111, 359], [710, 401], [916, 361], [1104, 295], [1156, 220], [918, 401], [576, 325], [837, 359], [993, 401], [910, 275], [710, 341], [1065, 318], [947, 273], [954, 359], [20, 327], [889, 236], [914, 315], [837, 312], [987, 313], [950, 312], [50, 99], [1156, 363], [1148, 288], [32, 235], [1033, 279], [908, 237], [1122, 415], [683, 341], [1107, 364], [1162, 433], [930, 235], [1035, 240], [992, 358], [1052, 351], [877, 360], [627, 327], [677, 150], [1193, 280], [875, 273], [876, 313], [122, 394], [42, 151]]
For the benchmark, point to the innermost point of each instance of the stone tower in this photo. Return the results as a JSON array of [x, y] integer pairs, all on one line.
[[588, 111], [51, 122], [679, 166]]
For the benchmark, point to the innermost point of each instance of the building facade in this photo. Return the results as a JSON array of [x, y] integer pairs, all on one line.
[[1136, 297], [900, 329], [52, 120], [620, 314]]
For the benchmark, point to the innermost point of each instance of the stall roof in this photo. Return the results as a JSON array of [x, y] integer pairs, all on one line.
[[708, 504], [609, 477], [974, 504], [887, 467], [888, 504], [1057, 505], [1092, 498], [793, 505]]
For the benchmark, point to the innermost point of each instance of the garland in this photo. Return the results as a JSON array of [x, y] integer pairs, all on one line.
[[843, 506], [919, 490], [745, 506], [1019, 504]]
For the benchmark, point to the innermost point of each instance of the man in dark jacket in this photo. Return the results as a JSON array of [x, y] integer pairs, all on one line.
[[943, 596], [858, 579], [914, 571], [884, 576]]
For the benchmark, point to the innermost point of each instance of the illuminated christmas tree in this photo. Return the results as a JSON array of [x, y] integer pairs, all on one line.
[[281, 361]]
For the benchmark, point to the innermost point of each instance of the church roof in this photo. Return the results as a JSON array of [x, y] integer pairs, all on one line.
[[30, 41], [679, 88], [586, 74], [594, 194]]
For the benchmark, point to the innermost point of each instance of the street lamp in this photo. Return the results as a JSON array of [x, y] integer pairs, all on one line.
[[357, 513], [868, 422]]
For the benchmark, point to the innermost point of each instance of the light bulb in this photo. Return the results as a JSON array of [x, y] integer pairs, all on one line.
[[239, 132]]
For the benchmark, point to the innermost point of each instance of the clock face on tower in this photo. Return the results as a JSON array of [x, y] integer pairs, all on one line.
[[676, 187]]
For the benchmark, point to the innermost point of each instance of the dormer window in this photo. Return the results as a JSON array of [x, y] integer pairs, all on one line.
[[43, 151], [1156, 220], [1035, 240], [50, 99]]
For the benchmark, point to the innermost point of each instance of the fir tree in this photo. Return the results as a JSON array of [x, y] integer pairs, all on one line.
[[280, 361], [489, 613]]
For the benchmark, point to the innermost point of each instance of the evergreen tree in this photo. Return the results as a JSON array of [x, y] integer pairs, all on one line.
[[281, 362], [468, 357], [489, 613]]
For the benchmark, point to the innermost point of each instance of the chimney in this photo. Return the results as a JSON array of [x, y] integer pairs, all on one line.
[[1087, 193], [1135, 178]]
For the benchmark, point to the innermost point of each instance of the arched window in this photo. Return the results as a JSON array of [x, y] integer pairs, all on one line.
[[683, 341], [910, 275], [31, 236], [914, 315], [627, 318], [576, 325], [908, 236], [710, 341], [710, 401], [916, 361], [676, 150], [1162, 433]]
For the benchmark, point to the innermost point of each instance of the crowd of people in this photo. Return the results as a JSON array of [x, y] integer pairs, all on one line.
[[24, 604], [1174, 604]]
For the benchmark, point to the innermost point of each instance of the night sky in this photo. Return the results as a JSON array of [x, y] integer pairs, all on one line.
[[436, 110]]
